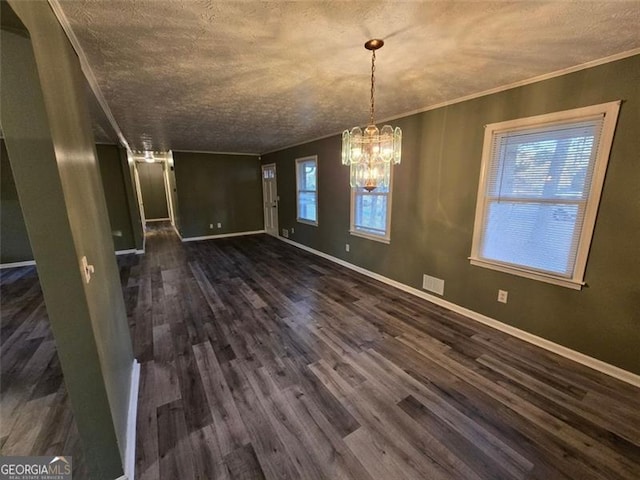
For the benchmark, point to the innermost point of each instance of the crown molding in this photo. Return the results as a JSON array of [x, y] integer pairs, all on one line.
[[502, 88], [86, 69]]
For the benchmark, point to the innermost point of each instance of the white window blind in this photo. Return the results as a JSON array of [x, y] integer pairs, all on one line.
[[307, 191], [534, 200], [371, 212]]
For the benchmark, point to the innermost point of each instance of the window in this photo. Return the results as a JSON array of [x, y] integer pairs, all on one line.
[[539, 192], [307, 189], [371, 212]]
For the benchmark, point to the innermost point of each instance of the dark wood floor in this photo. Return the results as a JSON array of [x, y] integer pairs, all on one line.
[[260, 360], [35, 415]]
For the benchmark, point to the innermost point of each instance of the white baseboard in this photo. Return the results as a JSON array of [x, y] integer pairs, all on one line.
[[130, 251], [26, 263], [177, 231], [126, 252], [223, 235], [130, 447], [150, 220], [561, 350]]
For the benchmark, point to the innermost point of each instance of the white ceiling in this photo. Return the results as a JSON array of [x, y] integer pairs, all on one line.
[[255, 76]]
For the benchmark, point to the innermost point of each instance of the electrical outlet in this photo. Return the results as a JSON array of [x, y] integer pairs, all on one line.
[[502, 296], [346, 247], [285, 233], [219, 225], [211, 226], [293, 230]]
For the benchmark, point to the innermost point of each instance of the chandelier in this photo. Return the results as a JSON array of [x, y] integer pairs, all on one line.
[[370, 154]]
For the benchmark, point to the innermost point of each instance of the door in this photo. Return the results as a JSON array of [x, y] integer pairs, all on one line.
[[270, 199], [154, 195]]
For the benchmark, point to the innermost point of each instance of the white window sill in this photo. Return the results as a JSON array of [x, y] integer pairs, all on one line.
[[307, 222], [370, 236], [563, 282]]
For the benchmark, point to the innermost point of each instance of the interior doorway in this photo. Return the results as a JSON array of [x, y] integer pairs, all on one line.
[[270, 199], [153, 186], [154, 194]]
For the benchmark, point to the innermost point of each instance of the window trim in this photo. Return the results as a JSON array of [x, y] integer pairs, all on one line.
[[610, 112], [299, 219], [386, 238]]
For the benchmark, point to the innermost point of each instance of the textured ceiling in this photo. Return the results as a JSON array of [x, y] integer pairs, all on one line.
[[255, 76]]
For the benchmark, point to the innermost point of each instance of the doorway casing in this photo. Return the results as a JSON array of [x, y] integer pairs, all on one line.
[[270, 198]]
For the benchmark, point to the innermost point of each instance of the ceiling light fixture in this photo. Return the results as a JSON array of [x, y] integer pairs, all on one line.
[[370, 154]]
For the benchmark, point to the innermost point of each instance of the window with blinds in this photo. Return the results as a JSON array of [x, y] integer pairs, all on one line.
[[307, 189], [539, 193], [371, 212]]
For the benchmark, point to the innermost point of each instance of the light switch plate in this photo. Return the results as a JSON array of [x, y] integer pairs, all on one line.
[[87, 269]]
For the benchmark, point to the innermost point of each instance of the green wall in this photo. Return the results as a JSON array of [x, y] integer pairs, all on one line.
[[133, 202], [113, 182], [216, 188], [14, 241], [434, 203], [47, 130]]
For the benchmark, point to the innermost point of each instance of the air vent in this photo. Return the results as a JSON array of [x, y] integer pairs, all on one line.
[[433, 284]]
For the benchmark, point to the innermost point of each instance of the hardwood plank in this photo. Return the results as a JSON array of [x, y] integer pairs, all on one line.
[[16, 389], [416, 446], [192, 393], [271, 453], [23, 436], [473, 456], [323, 438], [243, 464], [500, 431], [228, 425], [147, 457], [599, 424], [605, 460], [284, 423], [375, 455], [208, 460], [174, 449]]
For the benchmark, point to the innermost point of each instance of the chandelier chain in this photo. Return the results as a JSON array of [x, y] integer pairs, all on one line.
[[373, 84]]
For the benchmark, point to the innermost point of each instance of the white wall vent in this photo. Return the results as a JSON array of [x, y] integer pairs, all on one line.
[[433, 284]]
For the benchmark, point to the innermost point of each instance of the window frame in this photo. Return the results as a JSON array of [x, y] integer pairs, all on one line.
[[609, 111], [299, 162], [386, 238]]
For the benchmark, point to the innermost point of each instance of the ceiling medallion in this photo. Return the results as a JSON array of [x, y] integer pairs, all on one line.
[[370, 154]]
